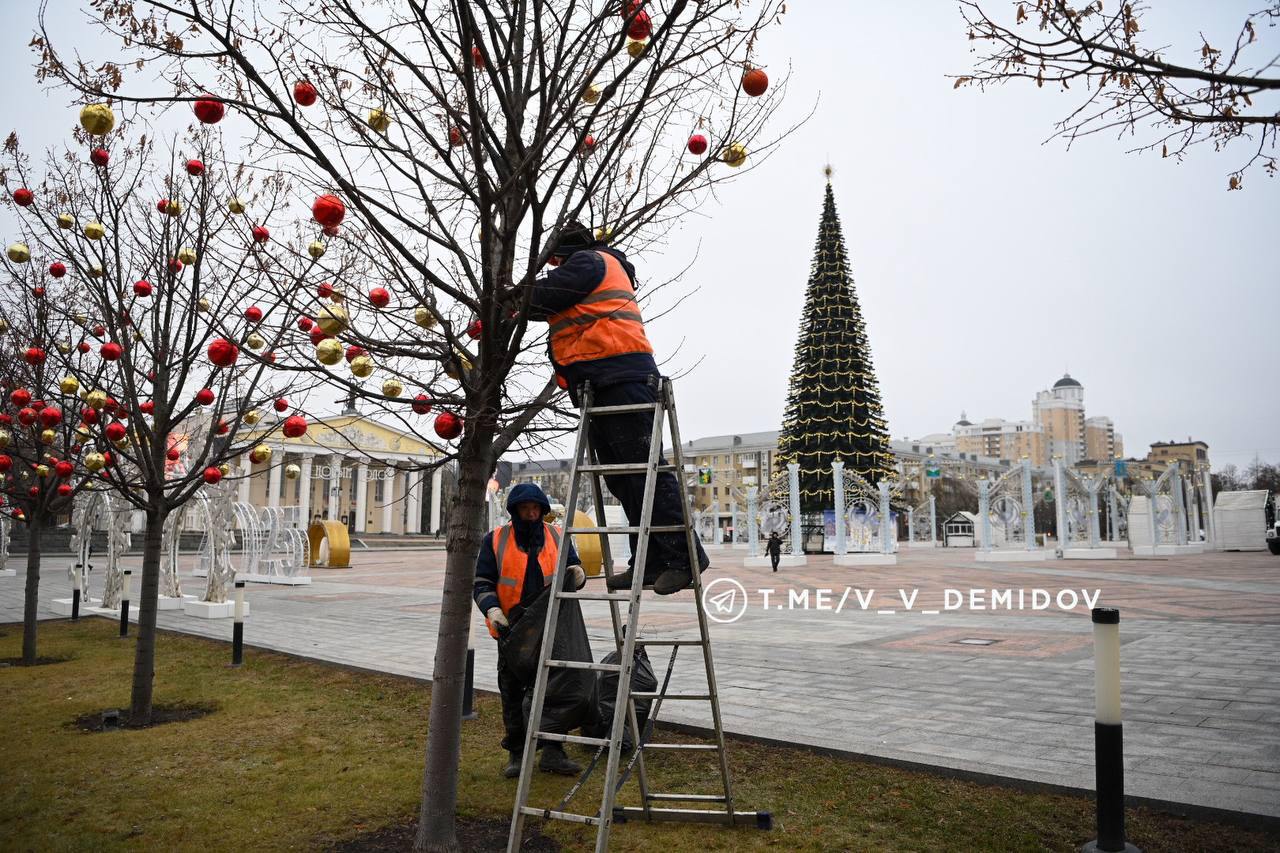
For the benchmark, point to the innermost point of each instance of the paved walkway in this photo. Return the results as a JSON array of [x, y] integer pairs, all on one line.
[[1200, 663]]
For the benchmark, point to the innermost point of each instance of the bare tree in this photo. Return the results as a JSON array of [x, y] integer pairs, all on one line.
[[463, 138], [1131, 88], [170, 301]]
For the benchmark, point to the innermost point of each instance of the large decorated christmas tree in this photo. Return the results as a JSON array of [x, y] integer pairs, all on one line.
[[833, 402]]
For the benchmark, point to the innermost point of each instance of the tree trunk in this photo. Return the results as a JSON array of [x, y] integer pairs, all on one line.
[[444, 727], [145, 657], [32, 601]]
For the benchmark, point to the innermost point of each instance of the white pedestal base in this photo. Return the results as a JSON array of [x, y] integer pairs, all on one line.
[[1011, 556], [210, 610], [866, 560], [919, 544], [8, 573], [279, 580], [62, 606], [165, 602], [1088, 553], [1168, 550], [788, 561]]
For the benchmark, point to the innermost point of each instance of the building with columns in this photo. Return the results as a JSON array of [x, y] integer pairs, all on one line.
[[351, 468]]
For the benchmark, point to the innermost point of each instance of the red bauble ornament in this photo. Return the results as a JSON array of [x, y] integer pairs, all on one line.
[[23, 197], [209, 109], [295, 426], [27, 416], [64, 489], [223, 427], [57, 269], [83, 347], [34, 491], [269, 357], [195, 168], [474, 329], [89, 415], [34, 355], [422, 404], [588, 145], [20, 398], [205, 396], [331, 230], [223, 353], [108, 459], [175, 266], [111, 351], [99, 330], [6, 462], [99, 156], [115, 431], [38, 405], [50, 417], [448, 425], [317, 335], [5, 420], [147, 407], [212, 475], [305, 323], [328, 210], [380, 297], [64, 469], [755, 82], [641, 26], [142, 288], [477, 57], [456, 138], [281, 404], [697, 144], [260, 234], [354, 352], [163, 205], [304, 93], [324, 290], [253, 314], [37, 292], [173, 455]]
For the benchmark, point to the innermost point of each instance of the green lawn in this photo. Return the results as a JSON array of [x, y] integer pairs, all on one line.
[[302, 756]]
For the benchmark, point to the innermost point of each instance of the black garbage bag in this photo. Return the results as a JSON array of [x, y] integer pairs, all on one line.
[[570, 702], [643, 680]]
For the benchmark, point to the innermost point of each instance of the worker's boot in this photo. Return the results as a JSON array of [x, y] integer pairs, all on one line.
[[512, 770], [554, 760], [622, 580], [672, 581]]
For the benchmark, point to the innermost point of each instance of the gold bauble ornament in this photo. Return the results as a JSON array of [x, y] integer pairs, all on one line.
[[336, 297], [187, 255], [252, 416], [95, 230], [316, 249], [63, 347], [292, 471], [83, 433], [255, 341], [4, 326], [42, 470], [735, 155], [48, 436], [423, 317], [173, 207], [19, 253], [591, 94], [392, 388], [202, 305], [137, 336], [96, 270], [260, 455], [451, 367], [604, 234], [636, 47], [362, 366], [379, 121], [5, 438], [96, 399], [80, 318], [66, 221], [69, 385], [122, 443], [329, 351], [236, 206], [225, 469], [332, 319], [97, 119]]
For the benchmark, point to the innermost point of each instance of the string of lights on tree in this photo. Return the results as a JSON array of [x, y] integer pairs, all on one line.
[[833, 400]]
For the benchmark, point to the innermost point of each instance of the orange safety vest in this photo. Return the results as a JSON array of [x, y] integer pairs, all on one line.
[[513, 562], [604, 324]]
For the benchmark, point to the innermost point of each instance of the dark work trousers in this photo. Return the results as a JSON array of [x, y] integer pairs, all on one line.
[[511, 689], [774, 557], [624, 438]]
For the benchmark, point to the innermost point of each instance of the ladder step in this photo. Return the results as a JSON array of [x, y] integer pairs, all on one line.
[[590, 820], [646, 695], [628, 407], [579, 739], [584, 664], [623, 468], [694, 747], [688, 798], [656, 528], [640, 641], [596, 596], [760, 820]]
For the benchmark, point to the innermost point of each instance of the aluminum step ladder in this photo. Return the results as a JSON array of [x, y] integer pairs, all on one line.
[[719, 806]]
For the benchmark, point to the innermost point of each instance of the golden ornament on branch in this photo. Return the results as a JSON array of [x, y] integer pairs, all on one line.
[[97, 119], [329, 351], [95, 230]]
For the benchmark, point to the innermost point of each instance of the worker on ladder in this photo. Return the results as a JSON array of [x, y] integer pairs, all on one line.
[[597, 335], [516, 561]]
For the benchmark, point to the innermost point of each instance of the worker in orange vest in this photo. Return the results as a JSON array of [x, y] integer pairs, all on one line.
[[596, 335], [516, 562]]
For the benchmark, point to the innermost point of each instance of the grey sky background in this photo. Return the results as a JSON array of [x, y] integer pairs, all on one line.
[[986, 260]]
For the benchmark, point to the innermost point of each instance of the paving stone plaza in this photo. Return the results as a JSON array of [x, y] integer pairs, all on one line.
[[1006, 692]]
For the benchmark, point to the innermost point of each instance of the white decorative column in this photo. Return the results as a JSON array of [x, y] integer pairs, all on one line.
[[388, 497], [335, 486], [837, 476], [413, 501], [888, 531], [1210, 524], [304, 493], [437, 495], [246, 474], [753, 529], [793, 483], [362, 486], [273, 478]]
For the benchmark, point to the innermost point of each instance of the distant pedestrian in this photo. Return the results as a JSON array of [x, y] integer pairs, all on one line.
[[774, 549]]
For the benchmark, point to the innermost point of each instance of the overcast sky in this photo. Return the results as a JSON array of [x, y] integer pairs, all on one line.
[[986, 261]]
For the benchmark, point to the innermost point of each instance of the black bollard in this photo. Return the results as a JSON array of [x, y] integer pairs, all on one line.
[[1108, 740], [75, 595], [237, 629], [468, 689], [124, 606]]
